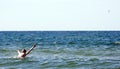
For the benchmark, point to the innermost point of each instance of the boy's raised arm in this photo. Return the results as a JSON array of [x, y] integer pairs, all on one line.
[[31, 49], [18, 51]]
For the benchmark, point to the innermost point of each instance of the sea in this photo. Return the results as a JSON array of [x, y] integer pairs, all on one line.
[[61, 49]]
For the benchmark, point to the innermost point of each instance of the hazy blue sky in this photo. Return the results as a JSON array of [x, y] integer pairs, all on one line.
[[59, 15]]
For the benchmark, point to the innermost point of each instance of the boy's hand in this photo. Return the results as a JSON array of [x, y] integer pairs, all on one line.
[[34, 45]]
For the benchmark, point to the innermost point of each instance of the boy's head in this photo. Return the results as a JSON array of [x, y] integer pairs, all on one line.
[[23, 50]]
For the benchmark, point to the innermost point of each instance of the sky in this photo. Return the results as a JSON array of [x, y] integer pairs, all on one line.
[[40, 15]]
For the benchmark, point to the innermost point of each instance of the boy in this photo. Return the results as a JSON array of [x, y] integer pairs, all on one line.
[[22, 54]]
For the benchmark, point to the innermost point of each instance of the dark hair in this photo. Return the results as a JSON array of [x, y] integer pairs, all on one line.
[[23, 50]]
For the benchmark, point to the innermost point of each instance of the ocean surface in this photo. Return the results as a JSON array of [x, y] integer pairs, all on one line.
[[61, 49]]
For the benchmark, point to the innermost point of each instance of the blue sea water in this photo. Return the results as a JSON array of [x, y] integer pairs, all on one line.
[[61, 49]]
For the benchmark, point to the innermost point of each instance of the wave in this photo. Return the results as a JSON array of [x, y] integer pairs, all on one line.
[[43, 59]]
